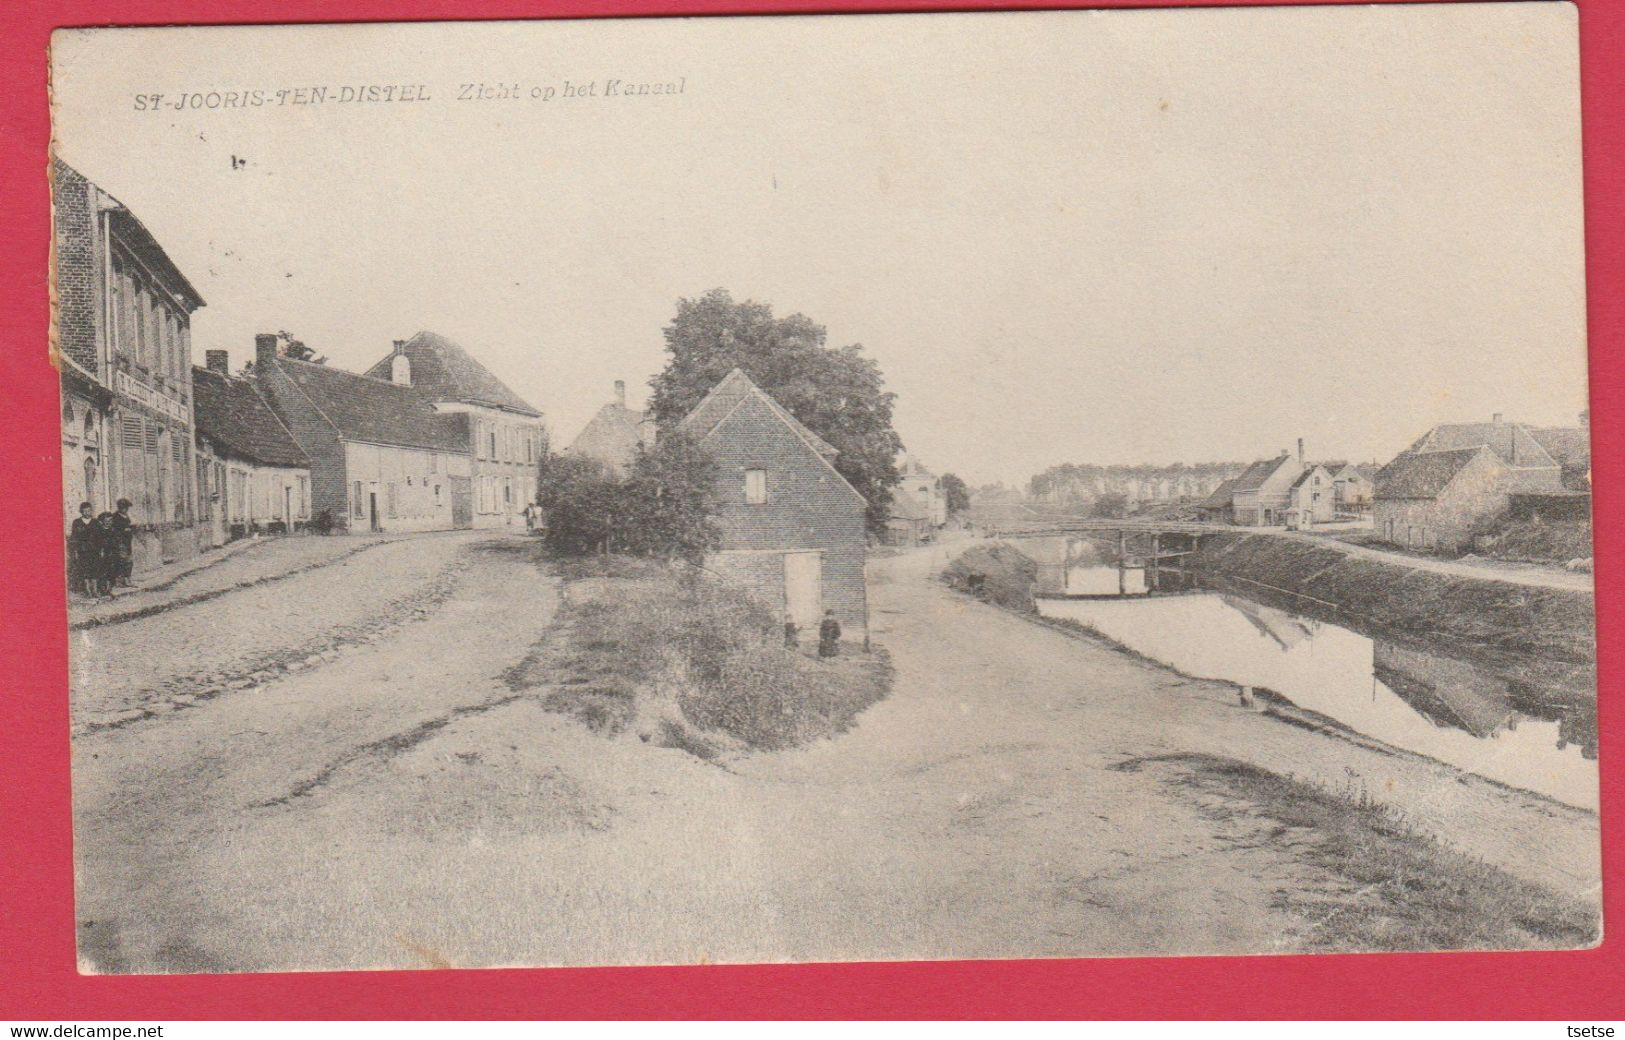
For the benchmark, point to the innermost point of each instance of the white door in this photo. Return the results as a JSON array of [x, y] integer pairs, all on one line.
[[804, 588]]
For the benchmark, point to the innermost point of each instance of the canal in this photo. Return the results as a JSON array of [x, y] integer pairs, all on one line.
[[1471, 714]]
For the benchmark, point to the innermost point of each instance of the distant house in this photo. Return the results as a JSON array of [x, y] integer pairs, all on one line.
[[925, 488], [1310, 500], [792, 527], [252, 476], [614, 434], [381, 457], [1263, 492], [1570, 448], [909, 522], [1219, 507], [1353, 488], [1435, 499], [1530, 465], [502, 432]]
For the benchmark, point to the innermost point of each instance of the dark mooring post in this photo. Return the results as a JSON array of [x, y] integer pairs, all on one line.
[[1122, 563]]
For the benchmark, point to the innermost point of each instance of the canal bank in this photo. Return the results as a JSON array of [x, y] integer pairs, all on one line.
[[1495, 680]]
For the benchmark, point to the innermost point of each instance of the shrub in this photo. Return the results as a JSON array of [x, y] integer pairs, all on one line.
[[998, 573]]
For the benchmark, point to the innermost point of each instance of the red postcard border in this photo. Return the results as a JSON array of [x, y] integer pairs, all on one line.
[[38, 979]]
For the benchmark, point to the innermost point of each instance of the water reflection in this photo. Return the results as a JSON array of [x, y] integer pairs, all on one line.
[[1449, 709]]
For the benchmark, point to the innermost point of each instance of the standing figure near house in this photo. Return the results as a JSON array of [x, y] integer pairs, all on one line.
[[124, 548], [792, 633], [107, 563], [82, 551], [829, 635]]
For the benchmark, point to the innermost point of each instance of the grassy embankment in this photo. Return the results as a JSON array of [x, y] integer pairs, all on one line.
[[1400, 889], [1545, 637], [686, 661]]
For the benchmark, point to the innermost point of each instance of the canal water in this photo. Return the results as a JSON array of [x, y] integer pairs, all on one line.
[[1451, 709]]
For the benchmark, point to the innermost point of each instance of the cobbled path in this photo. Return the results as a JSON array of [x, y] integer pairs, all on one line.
[[176, 658]]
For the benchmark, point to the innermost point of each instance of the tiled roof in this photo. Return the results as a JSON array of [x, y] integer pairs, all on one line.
[[1513, 442], [725, 397], [1357, 469], [230, 411], [366, 409], [613, 435], [1222, 495], [1570, 446], [1423, 474], [1253, 477], [444, 371]]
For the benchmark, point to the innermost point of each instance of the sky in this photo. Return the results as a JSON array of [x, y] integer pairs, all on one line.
[[1088, 237]]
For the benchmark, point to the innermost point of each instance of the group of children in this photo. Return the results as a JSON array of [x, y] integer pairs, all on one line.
[[100, 550]]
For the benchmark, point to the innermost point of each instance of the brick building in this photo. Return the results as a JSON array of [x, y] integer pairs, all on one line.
[[123, 334], [792, 527], [503, 433], [252, 476]]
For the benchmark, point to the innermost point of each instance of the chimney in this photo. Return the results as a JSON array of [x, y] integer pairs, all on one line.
[[400, 366], [1496, 418], [264, 352], [1585, 419], [1300, 451], [620, 392], [217, 361]]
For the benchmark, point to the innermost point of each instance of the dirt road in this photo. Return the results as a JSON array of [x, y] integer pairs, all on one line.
[[400, 806]]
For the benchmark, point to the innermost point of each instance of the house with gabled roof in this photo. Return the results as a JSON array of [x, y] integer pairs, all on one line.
[[926, 489], [504, 437], [1530, 465], [1570, 448], [1310, 499], [1438, 499], [1354, 485], [792, 527], [253, 478], [382, 457], [1219, 506], [614, 435], [1262, 494]]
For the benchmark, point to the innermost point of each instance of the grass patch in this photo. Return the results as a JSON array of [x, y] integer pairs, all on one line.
[[690, 662], [1410, 892]]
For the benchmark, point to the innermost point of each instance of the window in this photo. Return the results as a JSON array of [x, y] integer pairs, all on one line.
[[356, 489], [490, 441], [530, 447], [755, 486], [507, 491]]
